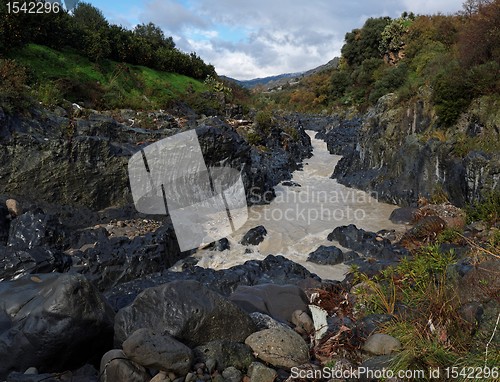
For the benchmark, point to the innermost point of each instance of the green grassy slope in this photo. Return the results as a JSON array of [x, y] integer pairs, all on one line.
[[56, 75]]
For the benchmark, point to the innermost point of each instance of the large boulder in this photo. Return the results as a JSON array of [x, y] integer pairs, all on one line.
[[36, 228], [117, 260], [52, 322], [273, 269], [277, 301], [326, 255], [279, 347], [368, 243], [159, 352], [381, 344], [18, 262], [115, 366], [186, 310], [226, 354], [254, 236]]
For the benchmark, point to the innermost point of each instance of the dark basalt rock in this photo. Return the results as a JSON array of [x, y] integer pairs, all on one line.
[[277, 301], [342, 136], [115, 366], [273, 269], [53, 322], [187, 310], [403, 215], [86, 165], [326, 255], [18, 262], [158, 351], [254, 236], [4, 225], [120, 259], [220, 245], [35, 228], [368, 243], [391, 160], [378, 251]]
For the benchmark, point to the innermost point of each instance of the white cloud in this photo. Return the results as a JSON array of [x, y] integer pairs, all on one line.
[[282, 35]]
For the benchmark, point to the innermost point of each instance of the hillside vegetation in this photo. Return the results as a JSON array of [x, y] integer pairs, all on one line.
[[66, 75], [81, 57], [457, 57]]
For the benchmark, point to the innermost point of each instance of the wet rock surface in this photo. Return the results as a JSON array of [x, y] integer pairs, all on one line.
[[273, 269], [111, 261], [254, 236], [82, 160], [326, 255], [52, 322], [186, 310], [390, 158], [277, 301], [367, 243]]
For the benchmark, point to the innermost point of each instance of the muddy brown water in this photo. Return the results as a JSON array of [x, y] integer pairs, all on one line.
[[299, 219]]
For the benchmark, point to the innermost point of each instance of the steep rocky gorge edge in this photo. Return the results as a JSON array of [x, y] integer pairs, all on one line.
[[397, 151], [74, 153]]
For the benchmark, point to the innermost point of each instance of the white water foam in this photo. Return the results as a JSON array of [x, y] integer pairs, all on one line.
[[299, 219]]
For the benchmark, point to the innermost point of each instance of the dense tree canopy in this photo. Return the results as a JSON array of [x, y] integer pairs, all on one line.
[[455, 57], [88, 31]]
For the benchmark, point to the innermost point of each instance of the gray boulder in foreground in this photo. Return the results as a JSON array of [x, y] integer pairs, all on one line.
[[187, 310], [52, 322]]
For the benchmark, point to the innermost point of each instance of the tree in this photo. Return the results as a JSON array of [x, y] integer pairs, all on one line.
[[471, 7], [94, 30], [13, 31], [120, 43], [364, 43], [478, 41], [340, 82], [154, 36], [393, 37], [89, 17]]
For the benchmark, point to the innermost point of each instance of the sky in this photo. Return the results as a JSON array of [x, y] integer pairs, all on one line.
[[259, 38]]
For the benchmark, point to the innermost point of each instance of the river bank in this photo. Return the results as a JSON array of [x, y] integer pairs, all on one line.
[[87, 291]]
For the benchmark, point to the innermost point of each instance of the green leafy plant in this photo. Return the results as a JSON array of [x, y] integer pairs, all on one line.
[[486, 209], [14, 93]]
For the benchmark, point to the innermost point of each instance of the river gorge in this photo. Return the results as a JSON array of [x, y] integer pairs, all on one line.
[[304, 211]]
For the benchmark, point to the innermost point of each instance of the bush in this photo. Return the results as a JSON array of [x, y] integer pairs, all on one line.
[[14, 92], [265, 121], [340, 82], [48, 94], [487, 209], [451, 94]]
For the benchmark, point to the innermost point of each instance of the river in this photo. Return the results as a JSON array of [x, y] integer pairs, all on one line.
[[299, 219]]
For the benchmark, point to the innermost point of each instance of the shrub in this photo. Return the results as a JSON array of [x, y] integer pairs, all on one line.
[[487, 209], [14, 93], [265, 121], [48, 94]]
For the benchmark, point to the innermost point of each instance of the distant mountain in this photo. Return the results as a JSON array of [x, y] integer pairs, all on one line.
[[276, 82]]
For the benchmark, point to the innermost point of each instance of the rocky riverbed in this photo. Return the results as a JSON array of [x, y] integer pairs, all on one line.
[[112, 311], [86, 293]]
